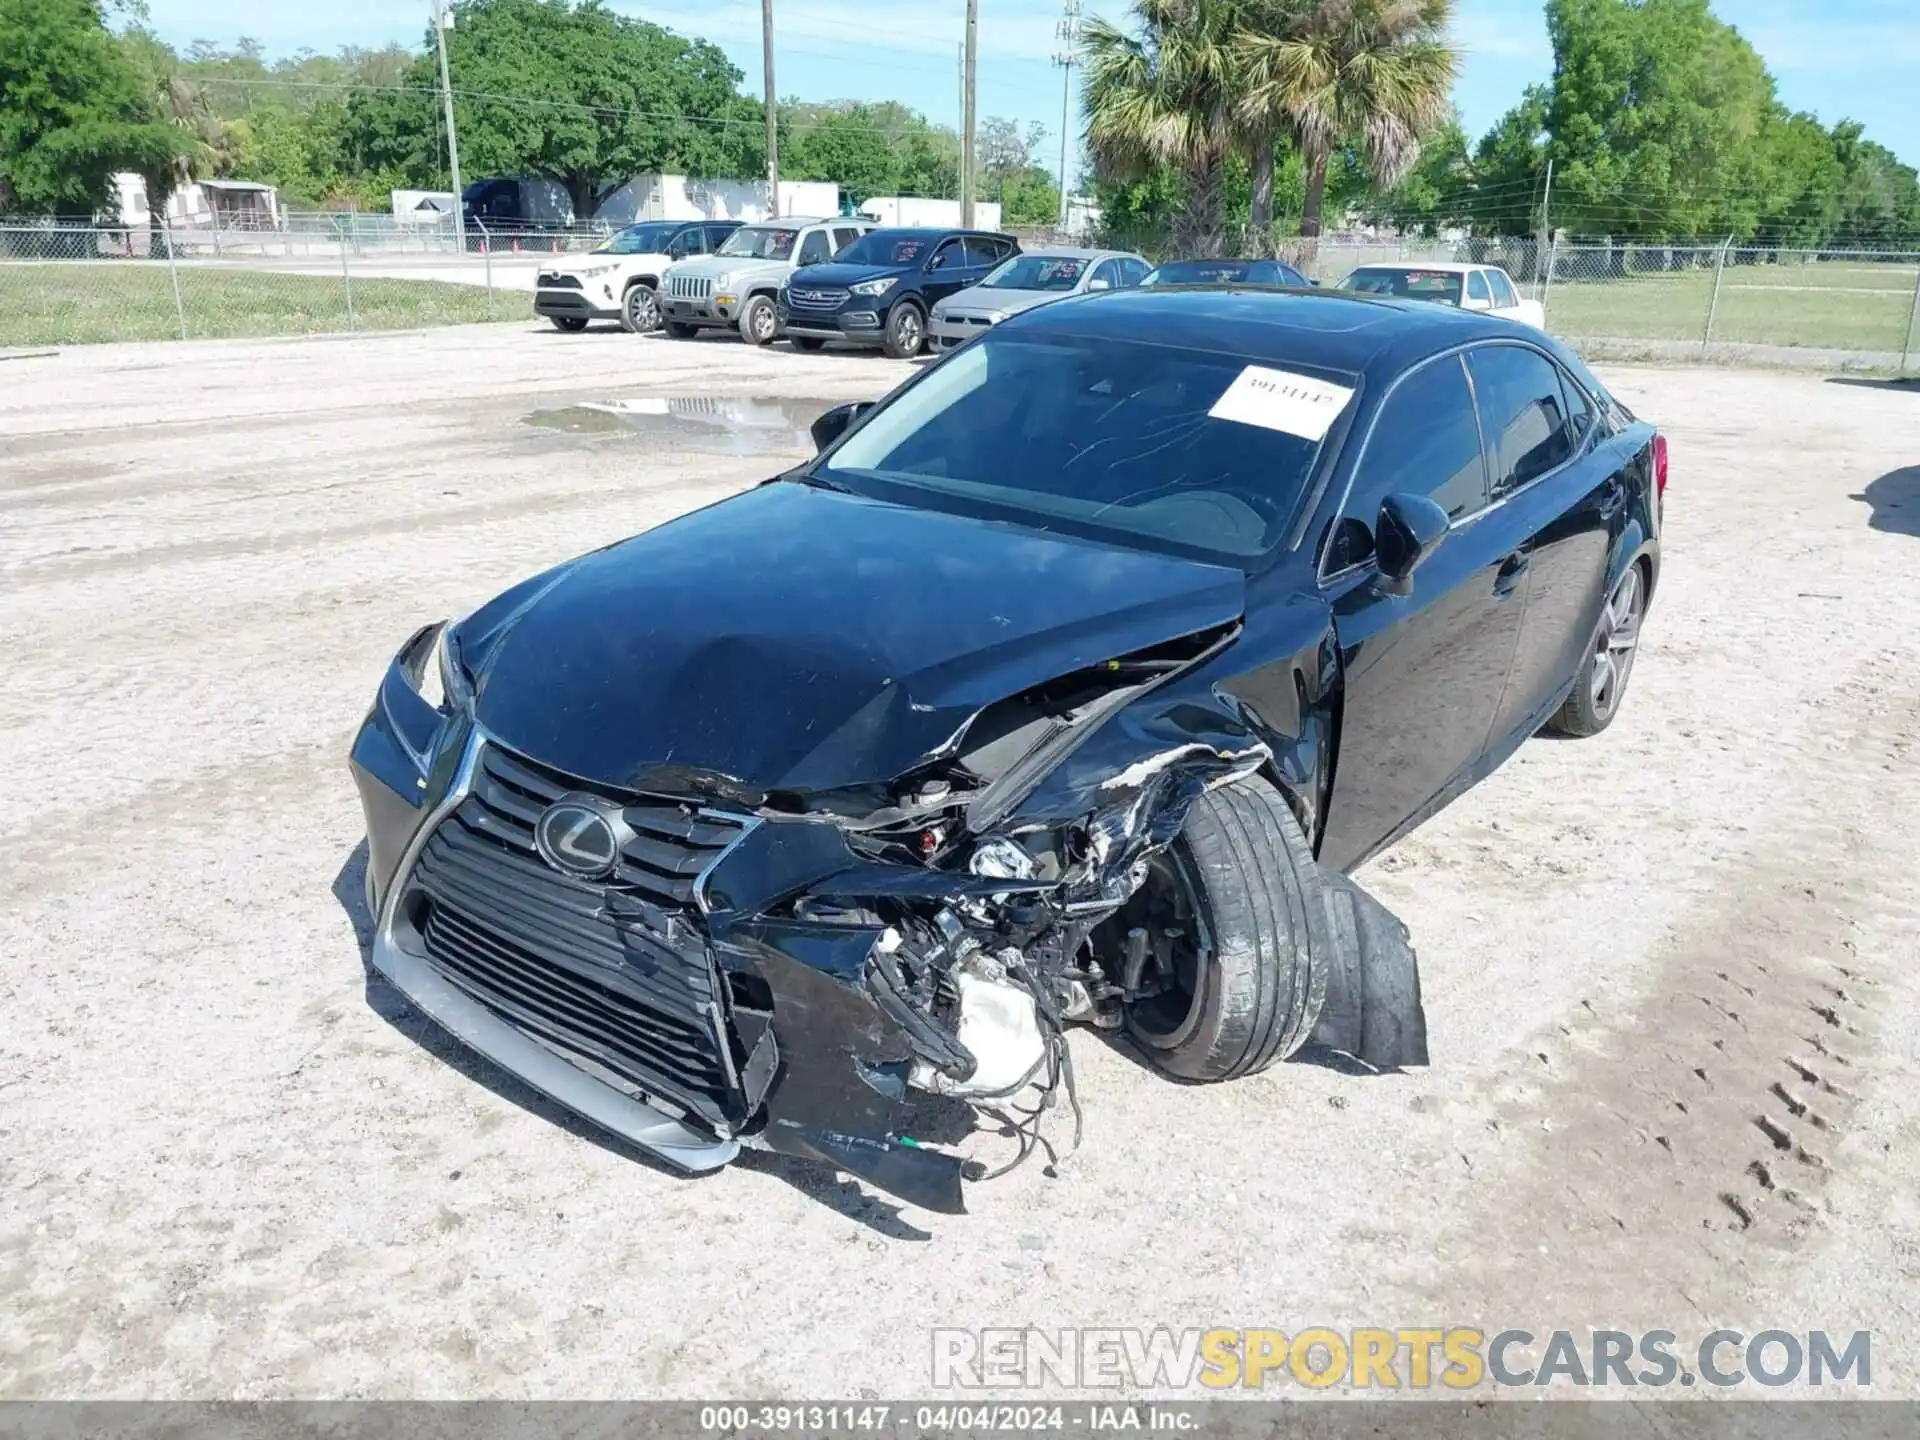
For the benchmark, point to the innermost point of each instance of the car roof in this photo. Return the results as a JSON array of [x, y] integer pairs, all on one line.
[[1071, 252], [1368, 335], [1447, 267], [940, 231], [798, 220]]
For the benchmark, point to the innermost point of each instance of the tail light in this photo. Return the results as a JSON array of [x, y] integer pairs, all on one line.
[[1660, 466]]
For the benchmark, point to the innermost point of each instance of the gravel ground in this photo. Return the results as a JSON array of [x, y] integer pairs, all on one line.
[[230, 1168]]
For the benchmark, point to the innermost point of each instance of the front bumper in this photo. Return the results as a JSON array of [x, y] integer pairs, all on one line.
[[813, 1068], [859, 326], [572, 304], [710, 313], [944, 332]]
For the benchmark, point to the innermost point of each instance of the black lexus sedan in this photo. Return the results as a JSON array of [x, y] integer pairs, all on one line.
[[1062, 685], [880, 290], [1270, 274]]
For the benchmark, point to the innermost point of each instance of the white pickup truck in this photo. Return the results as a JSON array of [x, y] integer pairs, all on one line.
[[1485, 288]]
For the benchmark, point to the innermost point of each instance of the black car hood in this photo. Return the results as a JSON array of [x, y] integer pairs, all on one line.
[[800, 639], [840, 276]]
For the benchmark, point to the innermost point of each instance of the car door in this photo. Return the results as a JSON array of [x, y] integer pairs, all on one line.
[[1423, 673], [815, 248], [1564, 491], [946, 271]]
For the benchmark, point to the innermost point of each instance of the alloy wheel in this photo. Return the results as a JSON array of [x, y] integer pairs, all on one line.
[[643, 310], [1619, 638]]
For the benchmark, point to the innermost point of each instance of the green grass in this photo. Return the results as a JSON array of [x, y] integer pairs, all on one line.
[[72, 303], [1835, 307]]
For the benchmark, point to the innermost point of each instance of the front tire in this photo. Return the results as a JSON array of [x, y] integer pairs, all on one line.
[[759, 322], [906, 331], [1602, 682], [1245, 974], [572, 324], [640, 309]]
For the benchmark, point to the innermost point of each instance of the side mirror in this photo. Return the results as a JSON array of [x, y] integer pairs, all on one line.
[[835, 423], [1099, 285], [1472, 304], [1410, 527]]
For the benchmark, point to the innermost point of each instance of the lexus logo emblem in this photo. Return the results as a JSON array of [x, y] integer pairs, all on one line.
[[580, 836]]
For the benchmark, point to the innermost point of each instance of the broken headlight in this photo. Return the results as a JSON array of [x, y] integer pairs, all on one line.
[[444, 682], [999, 858]]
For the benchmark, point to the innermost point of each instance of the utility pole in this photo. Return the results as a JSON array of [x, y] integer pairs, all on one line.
[[773, 110], [1545, 241], [1069, 32], [443, 22], [968, 117]]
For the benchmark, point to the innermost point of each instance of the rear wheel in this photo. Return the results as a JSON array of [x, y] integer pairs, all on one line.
[[1229, 973], [640, 309], [759, 322], [809, 343], [906, 331], [1602, 681], [570, 323]]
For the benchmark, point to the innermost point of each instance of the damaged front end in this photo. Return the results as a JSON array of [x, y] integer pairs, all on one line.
[[699, 965]]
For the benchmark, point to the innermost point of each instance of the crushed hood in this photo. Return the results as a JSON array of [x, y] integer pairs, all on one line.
[[801, 639]]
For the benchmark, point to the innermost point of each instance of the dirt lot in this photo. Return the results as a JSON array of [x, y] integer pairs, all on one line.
[[228, 1168]]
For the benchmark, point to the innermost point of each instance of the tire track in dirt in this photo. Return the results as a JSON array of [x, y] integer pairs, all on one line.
[[1670, 1160]]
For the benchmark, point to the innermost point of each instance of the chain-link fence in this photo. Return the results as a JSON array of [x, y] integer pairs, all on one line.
[[71, 285], [314, 273]]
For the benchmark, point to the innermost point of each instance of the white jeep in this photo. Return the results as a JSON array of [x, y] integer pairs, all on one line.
[[738, 286], [619, 279]]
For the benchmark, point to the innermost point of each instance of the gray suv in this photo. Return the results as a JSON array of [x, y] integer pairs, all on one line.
[[738, 285]]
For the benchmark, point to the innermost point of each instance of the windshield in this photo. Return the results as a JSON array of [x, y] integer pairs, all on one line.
[[760, 243], [888, 247], [649, 239], [1172, 449], [1037, 272], [1207, 272], [1440, 286]]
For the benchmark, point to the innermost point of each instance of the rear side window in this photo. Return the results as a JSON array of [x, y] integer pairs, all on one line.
[[814, 249], [981, 251], [1579, 412], [1503, 295], [1425, 442], [1477, 286], [1524, 409]]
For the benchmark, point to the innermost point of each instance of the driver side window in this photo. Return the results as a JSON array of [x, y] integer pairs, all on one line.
[[1425, 441], [815, 249], [946, 257], [1477, 286]]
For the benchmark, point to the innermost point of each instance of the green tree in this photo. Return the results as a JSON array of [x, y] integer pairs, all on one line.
[[1163, 95], [1375, 75], [564, 88], [1655, 118], [73, 110]]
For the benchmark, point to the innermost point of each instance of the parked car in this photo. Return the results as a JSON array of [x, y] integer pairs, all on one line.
[[738, 286], [880, 290], [1027, 280], [1063, 684], [619, 279], [1268, 274], [1485, 288]]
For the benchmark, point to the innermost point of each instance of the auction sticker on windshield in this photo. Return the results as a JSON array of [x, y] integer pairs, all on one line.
[[1280, 400]]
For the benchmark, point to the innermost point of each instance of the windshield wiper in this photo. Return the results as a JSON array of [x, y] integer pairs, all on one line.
[[808, 478]]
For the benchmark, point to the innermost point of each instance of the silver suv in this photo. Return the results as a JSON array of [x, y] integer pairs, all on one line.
[[738, 285]]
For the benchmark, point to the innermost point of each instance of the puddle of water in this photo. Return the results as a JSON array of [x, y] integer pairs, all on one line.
[[725, 425]]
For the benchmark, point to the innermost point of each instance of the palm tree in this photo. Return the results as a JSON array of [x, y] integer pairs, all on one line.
[[1371, 73], [1165, 96]]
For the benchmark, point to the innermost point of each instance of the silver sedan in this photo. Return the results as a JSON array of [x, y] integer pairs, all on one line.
[[1024, 281]]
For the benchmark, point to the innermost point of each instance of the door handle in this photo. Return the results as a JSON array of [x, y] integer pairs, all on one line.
[[1511, 573]]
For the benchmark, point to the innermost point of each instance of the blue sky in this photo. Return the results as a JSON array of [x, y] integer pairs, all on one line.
[[1837, 58]]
